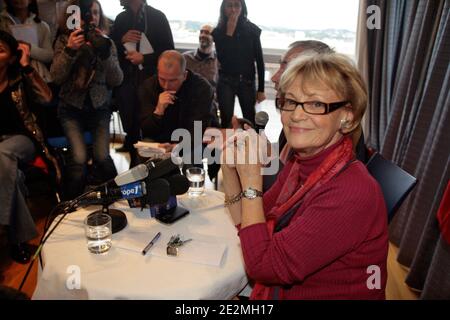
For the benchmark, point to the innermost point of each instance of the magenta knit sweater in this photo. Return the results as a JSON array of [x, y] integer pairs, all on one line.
[[330, 247]]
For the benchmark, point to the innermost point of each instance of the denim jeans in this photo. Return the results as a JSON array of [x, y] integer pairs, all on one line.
[[227, 89], [14, 213], [75, 122]]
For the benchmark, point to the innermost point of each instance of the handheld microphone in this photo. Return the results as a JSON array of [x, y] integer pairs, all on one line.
[[261, 119], [150, 170]]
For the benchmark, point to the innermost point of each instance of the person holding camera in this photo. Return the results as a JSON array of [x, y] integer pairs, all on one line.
[[87, 68]]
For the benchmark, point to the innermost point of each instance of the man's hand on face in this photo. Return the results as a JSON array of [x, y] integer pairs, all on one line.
[[166, 98]]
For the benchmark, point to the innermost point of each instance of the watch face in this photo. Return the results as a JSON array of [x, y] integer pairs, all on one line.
[[250, 193]]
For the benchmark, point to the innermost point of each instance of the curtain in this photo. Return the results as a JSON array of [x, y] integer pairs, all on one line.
[[408, 121], [361, 54]]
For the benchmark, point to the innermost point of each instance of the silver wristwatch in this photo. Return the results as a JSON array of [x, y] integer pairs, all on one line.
[[251, 193]]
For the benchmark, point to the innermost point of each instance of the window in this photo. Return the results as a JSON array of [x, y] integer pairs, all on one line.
[[282, 21]]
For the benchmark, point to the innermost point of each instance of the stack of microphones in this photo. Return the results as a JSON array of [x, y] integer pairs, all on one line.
[[152, 183]]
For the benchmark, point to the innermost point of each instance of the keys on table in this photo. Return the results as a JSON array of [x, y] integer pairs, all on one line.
[[174, 243]]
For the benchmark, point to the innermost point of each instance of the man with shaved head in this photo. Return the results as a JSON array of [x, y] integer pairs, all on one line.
[[173, 99]]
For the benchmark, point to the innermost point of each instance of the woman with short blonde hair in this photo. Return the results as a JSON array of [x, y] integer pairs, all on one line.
[[336, 71], [321, 230]]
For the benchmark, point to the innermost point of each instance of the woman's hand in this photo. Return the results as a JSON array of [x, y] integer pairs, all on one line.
[[243, 170], [232, 23], [233, 18], [247, 152], [25, 58], [231, 182], [76, 39], [249, 159]]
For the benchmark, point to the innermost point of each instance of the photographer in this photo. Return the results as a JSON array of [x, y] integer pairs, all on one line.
[[86, 67]]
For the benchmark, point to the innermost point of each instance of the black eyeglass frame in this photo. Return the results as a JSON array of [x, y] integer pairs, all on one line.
[[329, 107]]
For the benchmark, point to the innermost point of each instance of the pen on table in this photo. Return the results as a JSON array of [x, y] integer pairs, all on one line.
[[151, 243]]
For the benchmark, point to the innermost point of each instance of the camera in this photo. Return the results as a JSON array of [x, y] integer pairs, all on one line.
[[101, 44], [98, 46]]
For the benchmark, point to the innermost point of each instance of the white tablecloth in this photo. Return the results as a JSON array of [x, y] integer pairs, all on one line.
[[127, 274]]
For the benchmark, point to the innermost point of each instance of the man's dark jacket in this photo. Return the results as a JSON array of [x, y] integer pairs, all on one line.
[[193, 103], [158, 33]]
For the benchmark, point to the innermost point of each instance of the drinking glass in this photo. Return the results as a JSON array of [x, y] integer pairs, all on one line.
[[196, 177], [97, 228]]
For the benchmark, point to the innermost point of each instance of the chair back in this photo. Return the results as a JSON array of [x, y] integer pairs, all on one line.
[[395, 182]]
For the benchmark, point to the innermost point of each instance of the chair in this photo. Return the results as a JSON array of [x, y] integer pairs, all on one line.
[[39, 179], [395, 182]]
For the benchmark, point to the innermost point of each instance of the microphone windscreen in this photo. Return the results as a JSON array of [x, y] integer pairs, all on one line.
[[179, 184], [161, 169], [158, 191], [261, 119], [137, 173]]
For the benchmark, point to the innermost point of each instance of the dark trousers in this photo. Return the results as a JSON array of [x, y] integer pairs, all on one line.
[[227, 89], [128, 104]]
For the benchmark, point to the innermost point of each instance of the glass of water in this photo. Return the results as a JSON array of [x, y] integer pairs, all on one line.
[[97, 227], [196, 177]]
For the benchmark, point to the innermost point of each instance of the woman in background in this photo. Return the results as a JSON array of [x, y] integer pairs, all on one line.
[[86, 67], [24, 15], [238, 47]]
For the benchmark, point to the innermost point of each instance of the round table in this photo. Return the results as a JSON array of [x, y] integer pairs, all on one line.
[[70, 271]]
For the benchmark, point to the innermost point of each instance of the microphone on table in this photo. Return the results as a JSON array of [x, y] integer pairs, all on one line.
[[155, 192], [261, 119], [170, 211], [150, 170], [179, 184]]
